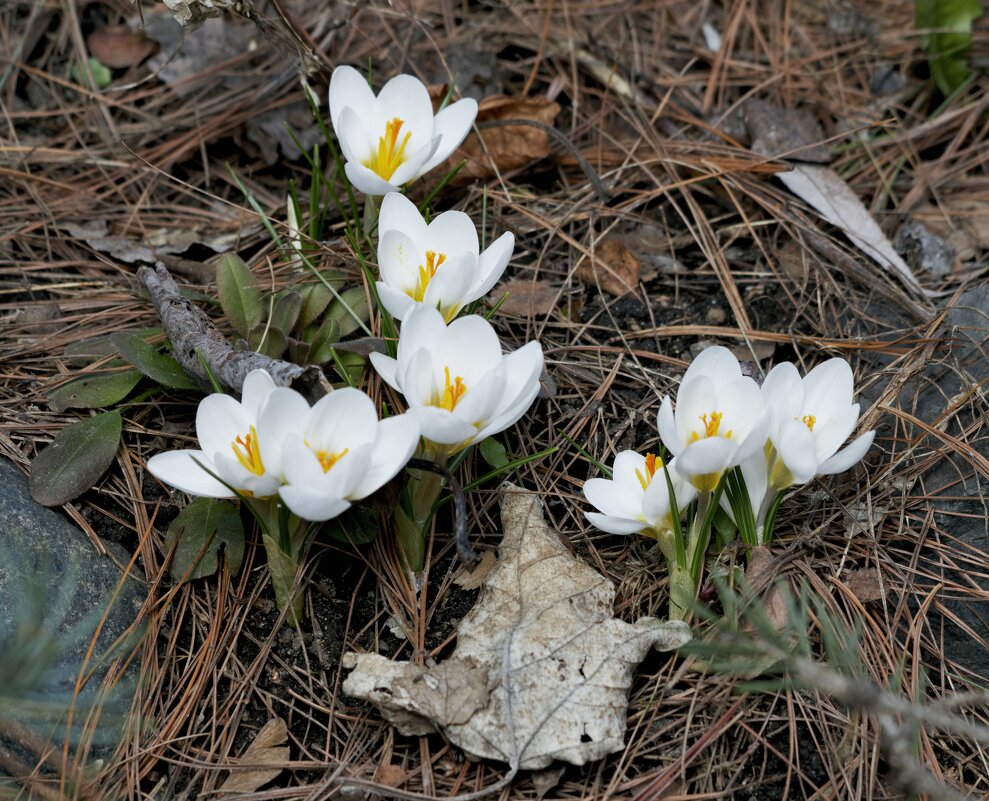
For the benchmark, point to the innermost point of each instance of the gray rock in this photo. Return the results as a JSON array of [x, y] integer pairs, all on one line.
[[924, 250], [54, 591]]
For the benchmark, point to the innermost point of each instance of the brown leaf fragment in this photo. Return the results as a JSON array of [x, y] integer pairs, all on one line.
[[525, 298], [259, 764], [472, 579], [542, 668], [391, 774], [614, 269], [865, 584], [117, 46], [760, 575], [786, 132], [505, 148]]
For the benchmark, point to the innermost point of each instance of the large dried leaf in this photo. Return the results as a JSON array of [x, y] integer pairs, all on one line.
[[77, 457], [834, 200], [614, 268], [261, 761], [542, 668]]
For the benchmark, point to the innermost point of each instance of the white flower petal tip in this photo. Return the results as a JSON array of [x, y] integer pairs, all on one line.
[[437, 264], [637, 498], [402, 139], [455, 379]]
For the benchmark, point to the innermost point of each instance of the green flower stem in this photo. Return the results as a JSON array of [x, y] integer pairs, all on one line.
[[413, 522], [284, 539], [683, 591]]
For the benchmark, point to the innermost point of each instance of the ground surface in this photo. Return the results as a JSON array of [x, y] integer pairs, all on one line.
[[725, 254]]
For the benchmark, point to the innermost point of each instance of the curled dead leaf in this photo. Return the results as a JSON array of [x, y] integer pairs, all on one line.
[[614, 269], [760, 574], [118, 47], [472, 579], [865, 584], [260, 762], [525, 298], [542, 668]]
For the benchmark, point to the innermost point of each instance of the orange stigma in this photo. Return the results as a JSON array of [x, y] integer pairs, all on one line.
[[651, 466], [426, 273], [327, 459], [808, 420], [452, 392], [712, 426], [248, 453], [390, 153]]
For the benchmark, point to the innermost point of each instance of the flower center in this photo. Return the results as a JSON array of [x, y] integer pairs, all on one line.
[[452, 391], [327, 459], [712, 426], [651, 466], [426, 273], [808, 420], [390, 153], [248, 453]]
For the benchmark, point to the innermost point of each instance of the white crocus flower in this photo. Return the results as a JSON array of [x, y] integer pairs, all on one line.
[[230, 448], [393, 138], [720, 419], [637, 499], [439, 264], [335, 452], [455, 379], [810, 418]]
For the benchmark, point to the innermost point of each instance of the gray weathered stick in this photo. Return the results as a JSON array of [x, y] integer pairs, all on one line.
[[190, 331]]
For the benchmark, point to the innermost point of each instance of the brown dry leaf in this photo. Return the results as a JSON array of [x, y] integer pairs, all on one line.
[[865, 584], [760, 571], [790, 132], [541, 670], [525, 298], [117, 46], [267, 751], [472, 579], [390, 774], [615, 269], [510, 147]]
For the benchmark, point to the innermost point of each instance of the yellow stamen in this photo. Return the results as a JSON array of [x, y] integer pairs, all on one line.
[[327, 459], [452, 392], [248, 453], [809, 420], [426, 273], [390, 153], [651, 466], [712, 427]]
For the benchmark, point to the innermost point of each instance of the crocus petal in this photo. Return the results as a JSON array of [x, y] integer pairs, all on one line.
[[256, 387], [219, 421], [656, 500], [470, 348], [697, 396], [386, 367], [343, 419], [396, 302], [480, 402], [309, 504], [348, 88], [742, 405], [491, 265], [783, 393], [282, 413], [419, 384], [411, 168], [299, 464], [397, 440], [830, 433], [406, 98], [754, 441], [614, 499], [626, 463], [851, 455], [399, 259], [355, 144], [366, 181], [451, 283], [398, 213], [828, 388], [452, 124], [667, 427], [184, 471], [451, 232], [796, 449], [705, 456], [442, 427], [422, 329], [615, 525], [716, 363]]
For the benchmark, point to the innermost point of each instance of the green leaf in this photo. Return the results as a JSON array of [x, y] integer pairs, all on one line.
[[315, 299], [288, 304], [77, 457], [351, 310], [99, 347], [947, 27], [357, 526], [156, 366], [240, 297], [268, 341], [197, 535], [93, 391], [321, 348], [101, 74], [493, 453]]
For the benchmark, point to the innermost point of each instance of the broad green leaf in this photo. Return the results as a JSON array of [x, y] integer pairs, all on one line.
[[494, 453], [315, 299], [352, 363], [352, 302], [93, 391], [101, 74], [92, 348], [76, 458], [288, 304], [298, 352], [946, 27], [156, 366], [321, 348], [240, 297], [284, 567], [268, 341], [357, 526], [197, 534]]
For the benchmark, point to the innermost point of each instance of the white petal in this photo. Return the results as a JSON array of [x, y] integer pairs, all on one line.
[[309, 504], [256, 387], [656, 500], [523, 368], [232, 472], [482, 400], [796, 449], [449, 287], [614, 499], [626, 463], [742, 406], [452, 233], [346, 418], [411, 167], [716, 363], [179, 469], [453, 124], [696, 398], [511, 414], [385, 367], [443, 427], [754, 441], [348, 88], [783, 391], [398, 213], [406, 98], [491, 265], [219, 421], [828, 388], [667, 427], [424, 328], [395, 301], [830, 433], [370, 183], [399, 259], [469, 348], [282, 413], [419, 381], [355, 144], [851, 455], [706, 456], [299, 464], [615, 525], [397, 440]]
